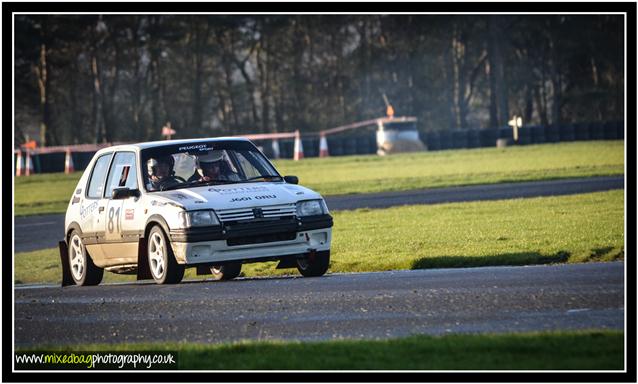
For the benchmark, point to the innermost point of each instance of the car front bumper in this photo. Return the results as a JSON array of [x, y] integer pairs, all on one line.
[[256, 240]]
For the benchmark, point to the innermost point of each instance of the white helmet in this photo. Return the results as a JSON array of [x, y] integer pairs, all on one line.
[[151, 164], [210, 157]]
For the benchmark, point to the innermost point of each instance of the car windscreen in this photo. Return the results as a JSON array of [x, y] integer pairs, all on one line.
[[204, 163]]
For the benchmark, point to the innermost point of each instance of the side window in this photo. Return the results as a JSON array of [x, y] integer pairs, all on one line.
[[96, 184], [123, 173]]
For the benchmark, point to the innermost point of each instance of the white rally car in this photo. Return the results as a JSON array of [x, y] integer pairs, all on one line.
[[157, 208]]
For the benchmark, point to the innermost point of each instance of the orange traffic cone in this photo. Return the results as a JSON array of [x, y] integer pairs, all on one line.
[[68, 162], [275, 148], [19, 164], [323, 146], [298, 146], [29, 165]]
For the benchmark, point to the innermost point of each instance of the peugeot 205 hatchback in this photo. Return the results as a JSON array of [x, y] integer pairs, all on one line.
[[157, 208]]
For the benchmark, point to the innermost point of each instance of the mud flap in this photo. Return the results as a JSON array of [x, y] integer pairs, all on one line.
[[143, 269], [67, 279]]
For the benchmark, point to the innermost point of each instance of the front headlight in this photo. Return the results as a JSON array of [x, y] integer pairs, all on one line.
[[311, 208], [198, 218]]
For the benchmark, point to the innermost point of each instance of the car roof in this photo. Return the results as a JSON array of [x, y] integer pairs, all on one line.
[[162, 143]]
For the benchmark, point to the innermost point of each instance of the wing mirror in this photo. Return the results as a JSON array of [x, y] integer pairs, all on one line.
[[291, 179], [124, 193]]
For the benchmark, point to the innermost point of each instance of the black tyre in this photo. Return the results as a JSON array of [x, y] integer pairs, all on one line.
[[161, 260], [312, 266], [83, 271], [226, 272]]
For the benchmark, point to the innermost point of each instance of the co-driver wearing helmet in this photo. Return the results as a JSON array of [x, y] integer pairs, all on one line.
[[160, 173], [211, 166]]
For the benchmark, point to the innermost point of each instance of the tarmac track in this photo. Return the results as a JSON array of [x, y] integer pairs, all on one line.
[[336, 306]]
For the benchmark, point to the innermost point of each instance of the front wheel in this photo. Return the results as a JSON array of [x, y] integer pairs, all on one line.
[[314, 265], [83, 271], [225, 272], [164, 268]]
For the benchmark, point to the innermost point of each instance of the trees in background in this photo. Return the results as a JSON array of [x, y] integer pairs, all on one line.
[[104, 78]]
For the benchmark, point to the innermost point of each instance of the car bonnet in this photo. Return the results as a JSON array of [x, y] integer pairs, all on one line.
[[238, 195]]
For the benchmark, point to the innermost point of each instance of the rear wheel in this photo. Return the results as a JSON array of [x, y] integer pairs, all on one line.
[[161, 260], [314, 265], [226, 272], [83, 271]]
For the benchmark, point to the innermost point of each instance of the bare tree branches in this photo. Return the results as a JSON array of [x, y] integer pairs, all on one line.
[[121, 77]]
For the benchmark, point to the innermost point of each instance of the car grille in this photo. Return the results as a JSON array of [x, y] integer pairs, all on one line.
[[271, 212]]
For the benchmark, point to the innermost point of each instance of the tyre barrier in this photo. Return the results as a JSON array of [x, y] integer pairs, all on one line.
[[367, 144], [581, 131], [445, 139], [473, 140], [537, 133], [459, 139], [432, 141], [340, 145], [286, 148], [567, 132], [335, 146], [524, 136], [310, 147], [552, 134], [610, 132], [350, 146], [487, 137], [620, 130], [506, 133], [596, 131]]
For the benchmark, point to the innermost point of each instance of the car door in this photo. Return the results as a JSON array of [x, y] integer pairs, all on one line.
[[93, 209], [121, 235]]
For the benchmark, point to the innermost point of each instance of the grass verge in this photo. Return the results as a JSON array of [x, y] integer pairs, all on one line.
[[576, 228], [576, 350], [366, 174], [50, 193]]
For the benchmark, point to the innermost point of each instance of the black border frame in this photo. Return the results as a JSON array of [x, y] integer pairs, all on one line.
[[438, 7]]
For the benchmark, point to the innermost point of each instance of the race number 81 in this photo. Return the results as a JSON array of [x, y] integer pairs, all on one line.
[[113, 213]]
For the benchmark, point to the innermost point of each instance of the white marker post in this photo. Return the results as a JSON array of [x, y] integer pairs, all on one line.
[[516, 123]]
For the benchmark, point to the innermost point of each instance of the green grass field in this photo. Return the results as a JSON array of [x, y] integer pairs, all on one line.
[[575, 228], [50, 193], [583, 350], [364, 174]]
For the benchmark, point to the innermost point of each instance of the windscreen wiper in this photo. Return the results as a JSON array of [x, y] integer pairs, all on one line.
[[198, 183], [264, 177]]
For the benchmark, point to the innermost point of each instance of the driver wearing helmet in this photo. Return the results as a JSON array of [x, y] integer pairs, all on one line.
[[160, 173], [212, 166]]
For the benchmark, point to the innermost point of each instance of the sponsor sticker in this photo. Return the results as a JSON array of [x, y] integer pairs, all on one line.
[[89, 209], [247, 198], [239, 190], [129, 214], [199, 147]]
